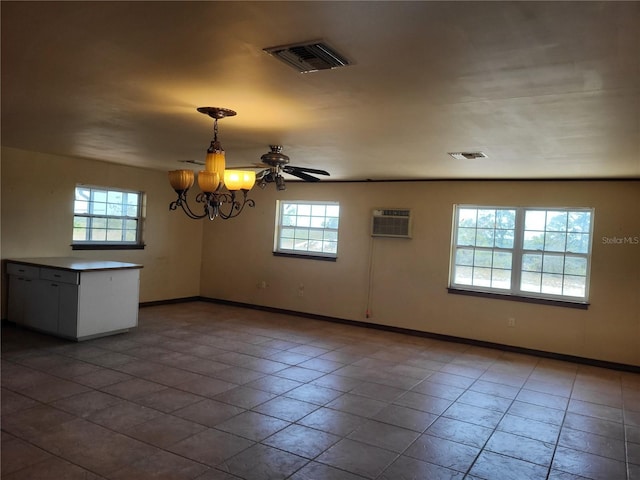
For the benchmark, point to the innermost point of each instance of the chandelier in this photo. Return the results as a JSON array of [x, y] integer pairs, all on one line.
[[215, 202]]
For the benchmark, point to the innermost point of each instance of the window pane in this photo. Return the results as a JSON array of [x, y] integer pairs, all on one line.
[[79, 234], [114, 235], [551, 283], [553, 263], [556, 221], [531, 262], [530, 282], [578, 242], [303, 221], [486, 219], [482, 277], [301, 233], [484, 237], [467, 217], [574, 286], [331, 235], [98, 235], [483, 258], [467, 236], [579, 222], [286, 243], [98, 208], [506, 219], [287, 233], [535, 220], [81, 206], [555, 242], [317, 222], [464, 256], [332, 222], [330, 247], [504, 238], [316, 235], [463, 275], [318, 210], [333, 211], [99, 223], [304, 209], [575, 266], [533, 241], [502, 260], [501, 279]]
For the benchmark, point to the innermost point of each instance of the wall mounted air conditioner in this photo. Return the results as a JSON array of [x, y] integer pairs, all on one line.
[[391, 222]]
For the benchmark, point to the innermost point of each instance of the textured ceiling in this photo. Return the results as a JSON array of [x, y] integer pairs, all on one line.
[[545, 89]]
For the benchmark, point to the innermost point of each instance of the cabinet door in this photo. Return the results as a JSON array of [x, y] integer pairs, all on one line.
[[18, 298], [68, 311], [45, 301]]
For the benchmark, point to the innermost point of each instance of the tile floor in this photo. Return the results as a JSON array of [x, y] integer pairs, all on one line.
[[212, 392]]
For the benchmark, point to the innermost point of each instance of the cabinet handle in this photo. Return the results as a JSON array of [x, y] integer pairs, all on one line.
[[54, 285], [56, 275], [21, 270]]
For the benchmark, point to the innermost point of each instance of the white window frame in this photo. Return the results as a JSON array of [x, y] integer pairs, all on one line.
[[90, 211], [312, 224], [523, 250]]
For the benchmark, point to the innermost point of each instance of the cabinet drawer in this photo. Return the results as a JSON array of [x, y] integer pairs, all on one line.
[[56, 275], [21, 270]]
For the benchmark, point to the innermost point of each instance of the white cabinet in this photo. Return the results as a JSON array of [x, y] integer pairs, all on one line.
[[73, 298]]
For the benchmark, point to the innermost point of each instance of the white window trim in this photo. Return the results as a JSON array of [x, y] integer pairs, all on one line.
[[116, 244], [517, 252], [277, 250]]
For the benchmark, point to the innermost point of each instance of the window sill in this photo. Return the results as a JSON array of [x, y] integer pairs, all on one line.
[[518, 298], [106, 246], [302, 255]]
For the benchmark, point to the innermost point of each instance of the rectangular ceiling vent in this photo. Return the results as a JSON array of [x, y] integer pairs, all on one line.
[[467, 155], [391, 222], [308, 57]]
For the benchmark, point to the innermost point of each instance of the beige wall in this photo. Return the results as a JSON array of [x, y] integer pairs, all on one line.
[[37, 220], [408, 282]]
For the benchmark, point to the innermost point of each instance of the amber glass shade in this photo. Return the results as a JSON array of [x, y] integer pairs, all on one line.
[[208, 181], [181, 180], [215, 162], [248, 179], [233, 179]]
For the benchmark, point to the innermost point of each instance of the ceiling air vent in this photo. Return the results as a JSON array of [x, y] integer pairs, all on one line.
[[467, 155], [308, 57], [391, 222]]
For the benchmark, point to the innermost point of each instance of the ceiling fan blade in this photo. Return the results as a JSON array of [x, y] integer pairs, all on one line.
[[255, 165], [262, 173], [301, 175], [308, 170]]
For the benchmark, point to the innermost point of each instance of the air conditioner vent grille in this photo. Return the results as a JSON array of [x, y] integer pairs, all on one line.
[[308, 57], [391, 222]]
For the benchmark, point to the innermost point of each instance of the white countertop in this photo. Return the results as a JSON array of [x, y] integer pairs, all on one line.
[[74, 264]]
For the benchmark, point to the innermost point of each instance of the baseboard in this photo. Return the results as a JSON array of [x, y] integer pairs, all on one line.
[[416, 333]]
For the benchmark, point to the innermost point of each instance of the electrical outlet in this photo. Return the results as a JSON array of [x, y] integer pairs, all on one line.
[[263, 284], [511, 322], [301, 290]]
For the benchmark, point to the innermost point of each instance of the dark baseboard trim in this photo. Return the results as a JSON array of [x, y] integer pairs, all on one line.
[[170, 301], [416, 333], [438, 336]]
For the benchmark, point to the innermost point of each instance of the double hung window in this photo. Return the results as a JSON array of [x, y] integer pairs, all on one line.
[[526, 252], [307, 228], [107, 217]]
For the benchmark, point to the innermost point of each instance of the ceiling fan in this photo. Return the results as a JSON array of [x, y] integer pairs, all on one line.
[[278, 163]]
